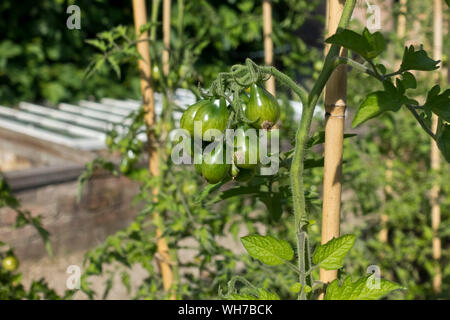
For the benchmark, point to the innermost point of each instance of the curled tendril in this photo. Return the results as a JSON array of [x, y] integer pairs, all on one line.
[[229, 85]]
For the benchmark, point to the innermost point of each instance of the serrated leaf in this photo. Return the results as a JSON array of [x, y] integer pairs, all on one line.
[[408, 80], [97, 43], [267, 249], [439, 103], [330, 255], [381, 68], [443, 141], [368, 45], [243, 296], [365, 288], [262, 295], [376, 103], [115, 65], [417, 60], [266, 295]]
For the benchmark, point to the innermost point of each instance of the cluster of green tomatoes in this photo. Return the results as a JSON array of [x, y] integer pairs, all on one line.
[[261, 111]]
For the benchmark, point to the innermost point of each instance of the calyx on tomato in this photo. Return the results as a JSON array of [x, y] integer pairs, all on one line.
[[216, 169], [246, 154], [262, 108], [187, 119], [212, 116]]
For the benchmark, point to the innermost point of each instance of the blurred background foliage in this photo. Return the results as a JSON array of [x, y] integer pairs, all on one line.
[[42, 60]]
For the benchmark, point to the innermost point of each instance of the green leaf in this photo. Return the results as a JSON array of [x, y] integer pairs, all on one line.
[[368, 45], [330, 255], [443, 141], [262, 295], [272, 201], [378, 102], [417, 60], [97, 43], [408, 80], [364, 288], [266, 295], [381, 68], [439, 103], [267, 249], [115, 65], [243, 296]]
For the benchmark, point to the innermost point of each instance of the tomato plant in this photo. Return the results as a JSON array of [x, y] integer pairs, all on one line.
[[293, 189], [369, 46]]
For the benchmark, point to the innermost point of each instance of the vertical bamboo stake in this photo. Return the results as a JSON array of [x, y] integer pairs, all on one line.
[[268, 42], [401, 26], [434, 155], [166, 36], [335, 105], [401, 22], [140, 18]]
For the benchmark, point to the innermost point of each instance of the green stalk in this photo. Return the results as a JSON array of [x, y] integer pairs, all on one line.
[[180, 19], [155, 10]]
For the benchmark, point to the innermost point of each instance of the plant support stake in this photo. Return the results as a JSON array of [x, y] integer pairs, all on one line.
[[434, 155], [166, 36], [140, 18], [335, 105], [268, 42]]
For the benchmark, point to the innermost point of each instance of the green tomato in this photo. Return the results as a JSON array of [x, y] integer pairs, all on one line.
[[318, 65], [212, 116], [109, 141], [170, 82], [217, 169], [183, 71], [244, 100], [189, 188], [187, 119], [10, 263], [262, 107], [246, 154], [185, 84], [198, 166], [156, 74], [126, 164]]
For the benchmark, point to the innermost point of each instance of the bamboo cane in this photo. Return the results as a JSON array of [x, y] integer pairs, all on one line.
[[401, 26], [434, 155], [401, 21], [335, 105], [140, 18], [268, 42], [166, 36]]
